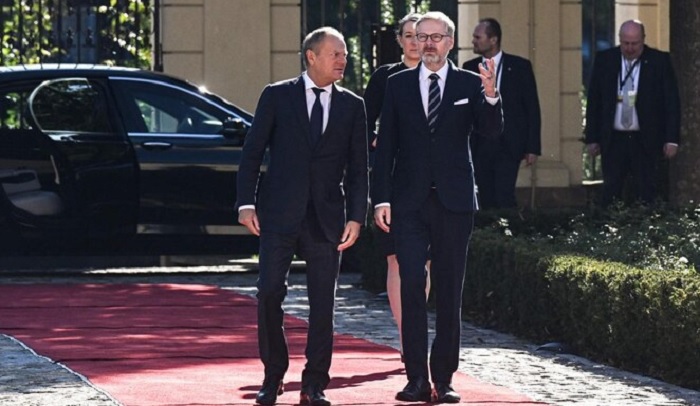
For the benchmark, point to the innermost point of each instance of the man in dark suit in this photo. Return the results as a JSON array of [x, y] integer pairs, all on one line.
[[632, 114], [497, 161], [312, 201], [423, 192]]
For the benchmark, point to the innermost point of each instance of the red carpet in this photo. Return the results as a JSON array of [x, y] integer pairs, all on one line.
[[194, 345]]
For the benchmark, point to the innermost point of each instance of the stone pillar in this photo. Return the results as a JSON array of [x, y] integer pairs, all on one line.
[[233, 47]]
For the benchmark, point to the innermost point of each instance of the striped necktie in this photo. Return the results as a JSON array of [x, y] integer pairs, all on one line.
[[433, 99]]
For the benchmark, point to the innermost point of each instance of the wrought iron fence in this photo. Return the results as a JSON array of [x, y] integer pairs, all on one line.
[[115, 32], [368, 27]]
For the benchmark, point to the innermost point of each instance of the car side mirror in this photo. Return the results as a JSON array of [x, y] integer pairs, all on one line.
[[234, 128]]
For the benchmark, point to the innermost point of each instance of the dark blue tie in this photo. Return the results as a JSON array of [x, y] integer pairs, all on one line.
[[433, 99], [316, 121]]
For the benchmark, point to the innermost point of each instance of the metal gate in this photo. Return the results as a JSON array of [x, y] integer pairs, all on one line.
[[116, 32], [368, 27]]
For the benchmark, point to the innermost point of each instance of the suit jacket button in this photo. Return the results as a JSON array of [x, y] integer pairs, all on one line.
[[432, 130]]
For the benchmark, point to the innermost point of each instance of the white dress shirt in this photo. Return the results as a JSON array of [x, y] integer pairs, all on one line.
[[311, 98], [634, 77]]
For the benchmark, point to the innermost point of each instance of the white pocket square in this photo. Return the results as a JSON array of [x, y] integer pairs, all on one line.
[[461, 101]]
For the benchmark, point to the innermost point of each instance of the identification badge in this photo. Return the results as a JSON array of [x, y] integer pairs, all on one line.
[[631, 97]]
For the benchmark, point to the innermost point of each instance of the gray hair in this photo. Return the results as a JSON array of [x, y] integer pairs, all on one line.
[[314, 38], [441, 17]]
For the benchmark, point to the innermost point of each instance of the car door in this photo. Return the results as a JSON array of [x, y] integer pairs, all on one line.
[[59, 144], [188, 148]]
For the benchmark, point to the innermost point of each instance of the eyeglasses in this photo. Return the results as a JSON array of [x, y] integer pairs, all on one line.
[[433, 37]]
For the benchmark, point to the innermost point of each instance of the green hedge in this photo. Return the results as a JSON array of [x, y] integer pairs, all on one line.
[[640, 320]]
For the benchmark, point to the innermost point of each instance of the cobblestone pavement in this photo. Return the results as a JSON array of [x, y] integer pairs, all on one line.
[[28, 379]]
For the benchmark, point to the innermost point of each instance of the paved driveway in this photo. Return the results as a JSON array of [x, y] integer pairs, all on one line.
[[559, 379]]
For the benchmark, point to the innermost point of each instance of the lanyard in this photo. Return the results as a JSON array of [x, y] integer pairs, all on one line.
[[629, 73]]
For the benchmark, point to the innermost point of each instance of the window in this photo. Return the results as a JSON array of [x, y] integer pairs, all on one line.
[[70, 105], [164, 109]]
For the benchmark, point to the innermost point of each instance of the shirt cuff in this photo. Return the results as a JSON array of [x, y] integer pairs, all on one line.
[[493, 100], [246, 206], [386, 204]]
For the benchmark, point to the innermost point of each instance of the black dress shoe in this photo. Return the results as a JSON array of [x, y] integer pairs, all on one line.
[[313, 396], [271, 388], [417, 390], [444, 393]]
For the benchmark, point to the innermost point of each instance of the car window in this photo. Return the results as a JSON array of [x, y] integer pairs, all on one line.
[[72, 105], [163, 108]]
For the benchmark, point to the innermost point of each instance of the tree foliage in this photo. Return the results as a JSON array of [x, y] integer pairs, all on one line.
[[115, 32]]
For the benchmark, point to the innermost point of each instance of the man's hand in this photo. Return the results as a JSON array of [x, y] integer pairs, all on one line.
[[488, 77], [249, 218], [593, 149], [530, 159], [382, 218], [350, 235], [670, 150]]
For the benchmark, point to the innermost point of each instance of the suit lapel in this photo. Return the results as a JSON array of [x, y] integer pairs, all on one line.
[[617, 68], [505, 72], [450, 93], [337, 107], [299, 104], [644, 72], [414, 94]]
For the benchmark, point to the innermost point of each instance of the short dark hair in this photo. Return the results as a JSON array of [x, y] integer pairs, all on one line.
[[493, 29], [315, 37], [413, 17]]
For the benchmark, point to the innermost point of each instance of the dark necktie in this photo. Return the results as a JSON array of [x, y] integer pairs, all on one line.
[[316, 121], [433, 99]]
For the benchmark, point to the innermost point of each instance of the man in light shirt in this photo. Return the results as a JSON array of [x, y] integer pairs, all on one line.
[[632, 114]]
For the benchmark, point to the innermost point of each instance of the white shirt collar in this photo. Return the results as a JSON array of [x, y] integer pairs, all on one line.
[[424, 72], [496, 58], [308, 84]]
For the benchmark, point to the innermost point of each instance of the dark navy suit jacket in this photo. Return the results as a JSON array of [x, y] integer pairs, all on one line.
[[522, 121], [333, 173], [411, 159]]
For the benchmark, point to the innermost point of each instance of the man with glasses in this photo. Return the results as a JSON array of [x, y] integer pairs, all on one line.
[[423, 191]]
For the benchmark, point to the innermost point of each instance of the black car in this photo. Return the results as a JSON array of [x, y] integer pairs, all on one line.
[[93, 155]]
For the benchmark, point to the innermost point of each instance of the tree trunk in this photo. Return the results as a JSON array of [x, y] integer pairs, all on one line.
[[684, 185]]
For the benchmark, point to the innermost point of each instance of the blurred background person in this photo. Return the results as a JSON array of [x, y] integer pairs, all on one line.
[[633, 114], [497, 161]]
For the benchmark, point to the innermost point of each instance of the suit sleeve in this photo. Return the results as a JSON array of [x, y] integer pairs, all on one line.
[[357, 172], [531, 105], [386, 149], [256, 142], [374, 96]]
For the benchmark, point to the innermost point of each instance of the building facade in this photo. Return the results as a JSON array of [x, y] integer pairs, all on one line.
[[236, 47]]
